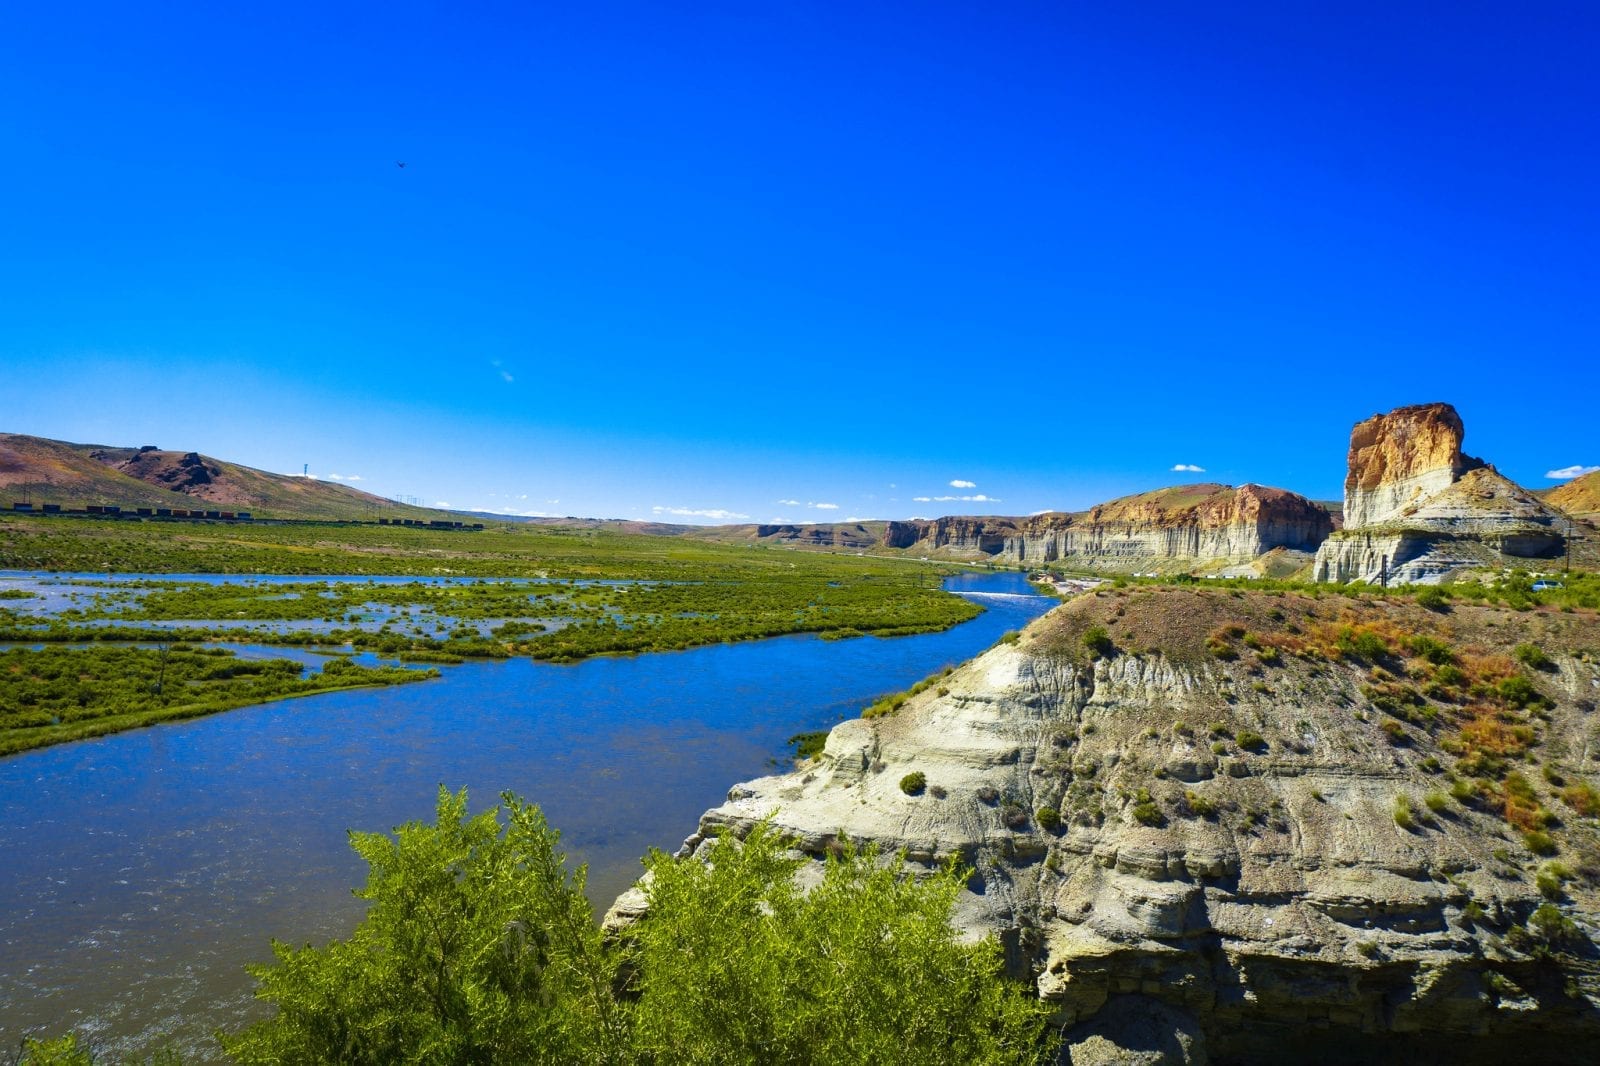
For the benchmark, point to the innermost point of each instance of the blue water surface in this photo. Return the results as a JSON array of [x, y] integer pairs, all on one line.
[[142, 871]]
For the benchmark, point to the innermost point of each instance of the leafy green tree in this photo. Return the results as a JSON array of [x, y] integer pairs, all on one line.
[[478, 948], [738, 964]]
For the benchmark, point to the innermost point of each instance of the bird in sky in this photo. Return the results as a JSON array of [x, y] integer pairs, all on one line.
[[399, 164]]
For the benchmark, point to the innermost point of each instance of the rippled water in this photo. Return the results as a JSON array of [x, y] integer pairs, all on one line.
[[141, 871]]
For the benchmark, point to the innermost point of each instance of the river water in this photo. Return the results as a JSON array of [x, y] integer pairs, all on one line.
[[140, 872]]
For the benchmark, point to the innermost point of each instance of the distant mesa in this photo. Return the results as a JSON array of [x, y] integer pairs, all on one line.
[[1417, 509]]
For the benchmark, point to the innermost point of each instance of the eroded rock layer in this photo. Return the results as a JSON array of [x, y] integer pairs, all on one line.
[[1169, 529], [1258, 828], [1417, 510]]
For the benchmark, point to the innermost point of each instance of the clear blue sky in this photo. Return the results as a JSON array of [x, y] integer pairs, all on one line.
[[749, 259]]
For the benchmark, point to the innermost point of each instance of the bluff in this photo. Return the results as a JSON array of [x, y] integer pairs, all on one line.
[[1247, 827], [1175, 528], [1417, 509]]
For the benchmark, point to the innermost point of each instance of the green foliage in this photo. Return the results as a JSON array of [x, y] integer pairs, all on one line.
[[1434, 651], [1010, 636], [1250, 740], [478, 947], [621, 594], [1049, 819], [1199, 805], [1145, 811], [1539, 842], [808, 745], [50, 695], [913, 783], [1363, 644], [1582, 798], [737, 965], [1402, 812], [1436, 801], [1433, 598], [1519, 692], [1548, 930], [1097, 642], [1533, 657]]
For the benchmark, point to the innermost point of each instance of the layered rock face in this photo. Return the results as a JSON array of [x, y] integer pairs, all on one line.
[[1230, 871], [1418, 510], [1401, 457], [1172, 529]]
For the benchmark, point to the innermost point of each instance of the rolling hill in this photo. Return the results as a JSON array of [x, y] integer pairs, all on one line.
[[75, 475]]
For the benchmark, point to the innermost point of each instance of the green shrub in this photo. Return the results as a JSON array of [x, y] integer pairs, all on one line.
[[1436, 801], [1049, 819], [1433, 598], [1145, 811], [1532, 656], [1539, 842], [1582, 798], [1198, 805], [1434, 651], [1250, 740], [913, 783], [1402, 812], [1097, 642], [808, 745]]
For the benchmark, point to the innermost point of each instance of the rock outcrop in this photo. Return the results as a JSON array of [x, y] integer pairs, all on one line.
[[1172, 529], [1260, 854], [1417, 510]]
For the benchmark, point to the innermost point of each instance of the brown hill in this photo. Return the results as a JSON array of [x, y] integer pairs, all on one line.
[[75, 475], [1580, 496]]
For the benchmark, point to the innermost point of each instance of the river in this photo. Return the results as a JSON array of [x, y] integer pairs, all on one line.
[[142, 871]]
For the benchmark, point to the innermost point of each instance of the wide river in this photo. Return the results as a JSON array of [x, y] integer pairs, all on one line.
[[140, 872]]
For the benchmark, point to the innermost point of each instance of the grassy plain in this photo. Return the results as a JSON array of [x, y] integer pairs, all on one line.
[[668, 593]]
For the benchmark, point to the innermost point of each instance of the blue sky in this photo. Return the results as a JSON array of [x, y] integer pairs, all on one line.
[[730, 261]]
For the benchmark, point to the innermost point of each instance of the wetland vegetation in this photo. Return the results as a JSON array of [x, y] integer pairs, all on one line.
[[51, 695]]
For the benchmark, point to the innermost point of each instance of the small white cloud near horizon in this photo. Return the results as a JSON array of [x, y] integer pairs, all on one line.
[[1567, 472], [442, 503], [959, 484], [824, 506], [1187, 468], [1047, 510], [788, 503], [979, 498], [342, 477], [716, 514]]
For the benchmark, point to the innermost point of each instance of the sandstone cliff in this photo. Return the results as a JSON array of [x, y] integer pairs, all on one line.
[[1418, 510], [1170, 529], [1287, 832]]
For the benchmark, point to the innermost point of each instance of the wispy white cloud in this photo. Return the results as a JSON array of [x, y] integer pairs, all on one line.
[[1570, 472], [505, 375], [342, 477], [789, 503], [1047, 510], [1187, 468], [979, 498], [716, 514], [959, 484], [824, 506], [442, 503], [922, 499]]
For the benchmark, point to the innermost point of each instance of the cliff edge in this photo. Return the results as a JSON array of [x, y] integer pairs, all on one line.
[[1268, 827]]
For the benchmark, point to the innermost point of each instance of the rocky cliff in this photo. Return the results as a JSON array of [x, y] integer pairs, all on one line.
[[1170, 529], [1252, 827], [1418, 510]]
